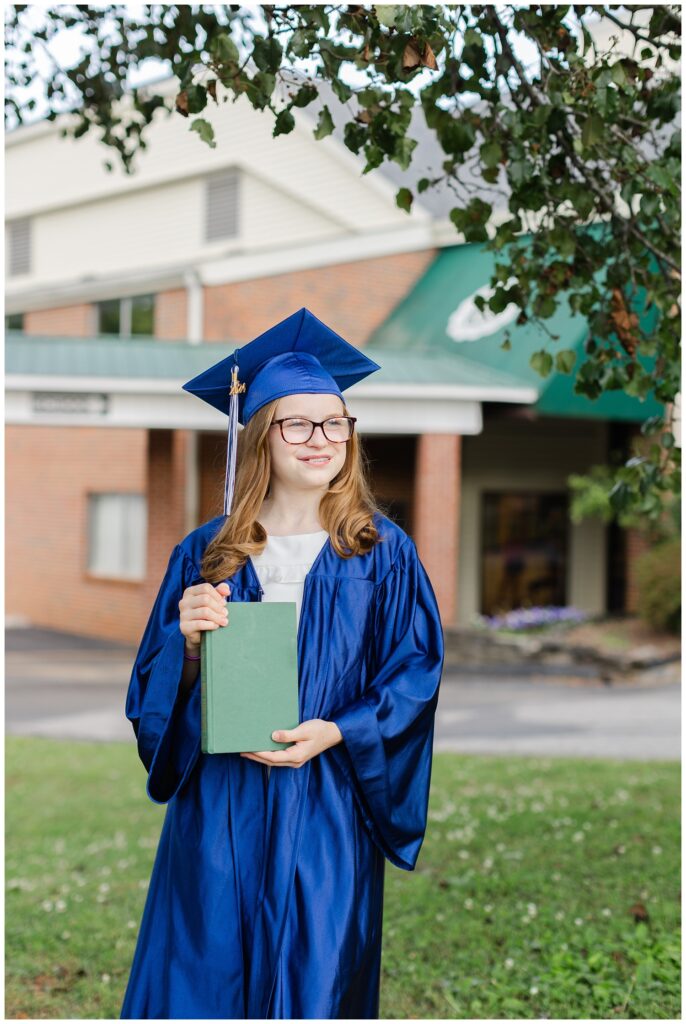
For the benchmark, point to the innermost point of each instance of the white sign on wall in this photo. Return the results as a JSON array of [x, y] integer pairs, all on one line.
[[468, 323]]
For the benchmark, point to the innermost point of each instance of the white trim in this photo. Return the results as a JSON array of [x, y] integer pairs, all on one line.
[[448, 392], [194, 306], [240, 266], [363, 390], [390, 415], [337, 250]]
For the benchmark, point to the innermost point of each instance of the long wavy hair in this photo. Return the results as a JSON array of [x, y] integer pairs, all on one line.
[[345, 511]]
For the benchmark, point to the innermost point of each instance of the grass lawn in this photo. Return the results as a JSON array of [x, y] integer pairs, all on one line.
[[544, 888]]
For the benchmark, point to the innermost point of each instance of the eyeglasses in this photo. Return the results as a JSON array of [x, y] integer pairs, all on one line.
[[297, 430]]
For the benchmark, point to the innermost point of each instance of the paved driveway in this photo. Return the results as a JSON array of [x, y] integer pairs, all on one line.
[[73, 688]]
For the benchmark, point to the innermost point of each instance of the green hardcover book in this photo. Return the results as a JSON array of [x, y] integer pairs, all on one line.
[[249, 678]]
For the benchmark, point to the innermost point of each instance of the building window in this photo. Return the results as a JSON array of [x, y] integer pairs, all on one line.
[[14, 322], [117, 535], [133, 315], [524, 552], [19, 246], [221, 205]]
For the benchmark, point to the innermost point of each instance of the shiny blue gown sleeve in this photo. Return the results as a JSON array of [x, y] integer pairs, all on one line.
[[165, 718], [388, 732]]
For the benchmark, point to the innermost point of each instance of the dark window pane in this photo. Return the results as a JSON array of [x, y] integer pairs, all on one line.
[[143, 314], [14, 322], [109, 317], [524, 554]]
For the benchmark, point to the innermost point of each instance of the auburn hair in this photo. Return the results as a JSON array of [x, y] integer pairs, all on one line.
[[346, 510]]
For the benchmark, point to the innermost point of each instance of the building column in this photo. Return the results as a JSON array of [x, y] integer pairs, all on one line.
[[635, 543], [436, 518], [166, 493]]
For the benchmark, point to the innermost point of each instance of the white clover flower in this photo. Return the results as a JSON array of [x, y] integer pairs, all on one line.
[[509, 963], [578, 920], [533, 990], [47, 905], [469, 903], [606, 912]]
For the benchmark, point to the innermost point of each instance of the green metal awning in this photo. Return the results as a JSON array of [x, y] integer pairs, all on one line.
[[149, 359], [438, 317]]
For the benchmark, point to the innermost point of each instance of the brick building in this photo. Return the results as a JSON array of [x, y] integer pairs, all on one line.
[[120, 288]]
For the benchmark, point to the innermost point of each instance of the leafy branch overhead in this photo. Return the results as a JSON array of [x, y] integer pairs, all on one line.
[[581, 144]]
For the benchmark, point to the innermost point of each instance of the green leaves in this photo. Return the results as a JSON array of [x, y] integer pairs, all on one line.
[[569, 140], [324, 124], [593, 130], [403, 199], [541, 362], [285, 123], [204, 130], [472, 220], [491, 153], [565, 360]]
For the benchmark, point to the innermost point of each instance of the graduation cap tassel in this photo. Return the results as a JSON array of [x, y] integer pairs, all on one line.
[[232, 441]]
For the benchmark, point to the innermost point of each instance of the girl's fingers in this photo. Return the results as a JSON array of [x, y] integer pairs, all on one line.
[[206, 612], [202, 624], [206, 601]]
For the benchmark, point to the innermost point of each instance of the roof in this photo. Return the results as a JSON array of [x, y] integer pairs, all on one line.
[[174, 361], [439, 318]]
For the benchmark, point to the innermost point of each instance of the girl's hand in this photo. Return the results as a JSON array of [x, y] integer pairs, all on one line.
[[202, 607], [311, 738]]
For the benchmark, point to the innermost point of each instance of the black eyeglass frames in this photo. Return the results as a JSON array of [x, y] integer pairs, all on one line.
[[297, 430]]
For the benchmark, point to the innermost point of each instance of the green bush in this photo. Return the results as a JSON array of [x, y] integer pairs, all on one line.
[[659, 585]]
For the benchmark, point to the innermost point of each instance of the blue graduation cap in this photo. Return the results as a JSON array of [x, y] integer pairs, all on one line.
[[298, 355]]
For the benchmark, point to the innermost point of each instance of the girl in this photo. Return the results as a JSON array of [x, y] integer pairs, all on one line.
[[266, 895]]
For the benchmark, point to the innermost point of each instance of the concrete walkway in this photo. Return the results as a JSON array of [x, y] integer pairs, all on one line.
[[67, 687]]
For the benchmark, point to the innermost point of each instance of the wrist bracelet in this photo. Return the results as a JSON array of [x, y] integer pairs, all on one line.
[[189, 657]]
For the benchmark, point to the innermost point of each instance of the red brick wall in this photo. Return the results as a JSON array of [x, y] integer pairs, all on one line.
[[171, 322], [353, 298], [48, 474], [211, 470], [165, 482], [71, 321], [436, 515], [636, 543]]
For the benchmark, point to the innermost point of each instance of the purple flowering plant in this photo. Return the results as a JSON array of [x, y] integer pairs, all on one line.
[[520, 619]]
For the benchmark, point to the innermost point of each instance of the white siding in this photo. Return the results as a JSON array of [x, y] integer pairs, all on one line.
[[160, 227], [87, 221]]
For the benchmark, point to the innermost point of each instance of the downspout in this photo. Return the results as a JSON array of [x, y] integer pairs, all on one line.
[[194, 335]]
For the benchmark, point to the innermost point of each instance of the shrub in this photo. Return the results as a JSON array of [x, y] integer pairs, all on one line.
[[659, 585]]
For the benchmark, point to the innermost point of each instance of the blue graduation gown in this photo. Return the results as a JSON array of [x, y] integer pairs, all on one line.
[[266, 896]]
